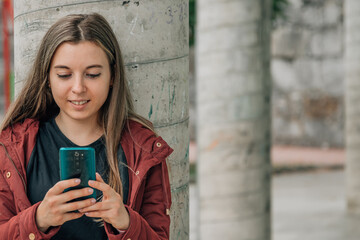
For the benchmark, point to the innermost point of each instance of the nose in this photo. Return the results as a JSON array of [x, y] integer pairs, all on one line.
[[78, 85]]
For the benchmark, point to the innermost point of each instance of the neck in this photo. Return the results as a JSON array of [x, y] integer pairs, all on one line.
[[81, 133]]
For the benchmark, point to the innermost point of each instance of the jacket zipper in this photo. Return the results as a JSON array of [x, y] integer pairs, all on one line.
[[163, 174], [167, 204], [141, 181]]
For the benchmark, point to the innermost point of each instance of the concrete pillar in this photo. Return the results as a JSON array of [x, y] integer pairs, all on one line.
[[153, 36], [233, 103], [352, 110]]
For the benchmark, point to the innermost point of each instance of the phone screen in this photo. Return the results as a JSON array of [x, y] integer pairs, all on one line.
[[78, 163]]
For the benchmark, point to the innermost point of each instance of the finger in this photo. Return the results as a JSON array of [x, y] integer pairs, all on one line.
[[100, 185], [72, 215], [69, 207], [73, 194], [99, 178], [97, 214], [99, 206], [60, 186]]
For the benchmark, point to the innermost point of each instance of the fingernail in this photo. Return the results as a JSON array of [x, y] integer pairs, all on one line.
[[90, 190], [93, 200], [77, 180], [91, 181]]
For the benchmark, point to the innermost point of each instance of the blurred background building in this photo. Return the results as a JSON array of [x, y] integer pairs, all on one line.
[[308, 76], [307, 68], [308, 115], [307, 72]]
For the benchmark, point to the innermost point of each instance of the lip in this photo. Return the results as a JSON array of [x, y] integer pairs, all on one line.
[[79, 104]]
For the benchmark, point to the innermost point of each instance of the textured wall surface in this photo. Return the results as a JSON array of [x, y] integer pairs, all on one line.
[[233, 82], [307, 70], [352, 77], [153, 36]]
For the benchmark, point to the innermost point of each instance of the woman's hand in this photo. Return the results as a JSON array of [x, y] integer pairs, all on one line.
[[54, 210], [111, 209]]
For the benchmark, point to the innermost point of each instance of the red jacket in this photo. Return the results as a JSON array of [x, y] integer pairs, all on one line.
[[149, 189]]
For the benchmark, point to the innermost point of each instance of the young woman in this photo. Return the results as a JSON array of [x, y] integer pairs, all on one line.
[[76, 95]]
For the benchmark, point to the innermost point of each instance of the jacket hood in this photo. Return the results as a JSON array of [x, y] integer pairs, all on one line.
[[142, 136], [21, 135], [19, 131]]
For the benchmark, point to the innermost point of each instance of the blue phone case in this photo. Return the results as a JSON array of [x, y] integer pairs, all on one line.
[[79, 163]]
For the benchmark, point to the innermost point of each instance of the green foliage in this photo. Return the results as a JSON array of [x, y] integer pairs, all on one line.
[[278, 10], [192, 21]]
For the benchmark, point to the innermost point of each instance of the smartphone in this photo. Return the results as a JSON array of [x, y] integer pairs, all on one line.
[[78, 162]]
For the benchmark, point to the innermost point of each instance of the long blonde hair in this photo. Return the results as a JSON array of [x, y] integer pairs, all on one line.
[[36, 101]]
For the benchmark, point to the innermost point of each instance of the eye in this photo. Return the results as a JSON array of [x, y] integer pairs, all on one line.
[[93, 75], [64, 76]]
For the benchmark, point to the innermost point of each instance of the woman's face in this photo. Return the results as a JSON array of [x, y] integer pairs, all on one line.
[[80, 80]]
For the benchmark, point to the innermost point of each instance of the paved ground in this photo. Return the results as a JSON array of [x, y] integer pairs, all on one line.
[[309, 206], [306, 205]]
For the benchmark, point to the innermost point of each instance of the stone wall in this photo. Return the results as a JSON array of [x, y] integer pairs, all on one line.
[[307, 69]]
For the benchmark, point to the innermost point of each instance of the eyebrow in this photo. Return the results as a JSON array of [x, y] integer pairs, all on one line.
[[91, 66]]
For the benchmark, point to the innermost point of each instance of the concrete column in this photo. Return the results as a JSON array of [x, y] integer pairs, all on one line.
[[153, 36], [352, 110], [233, 103]]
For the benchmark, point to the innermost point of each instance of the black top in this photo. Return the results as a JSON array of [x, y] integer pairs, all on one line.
[[43, 172]]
